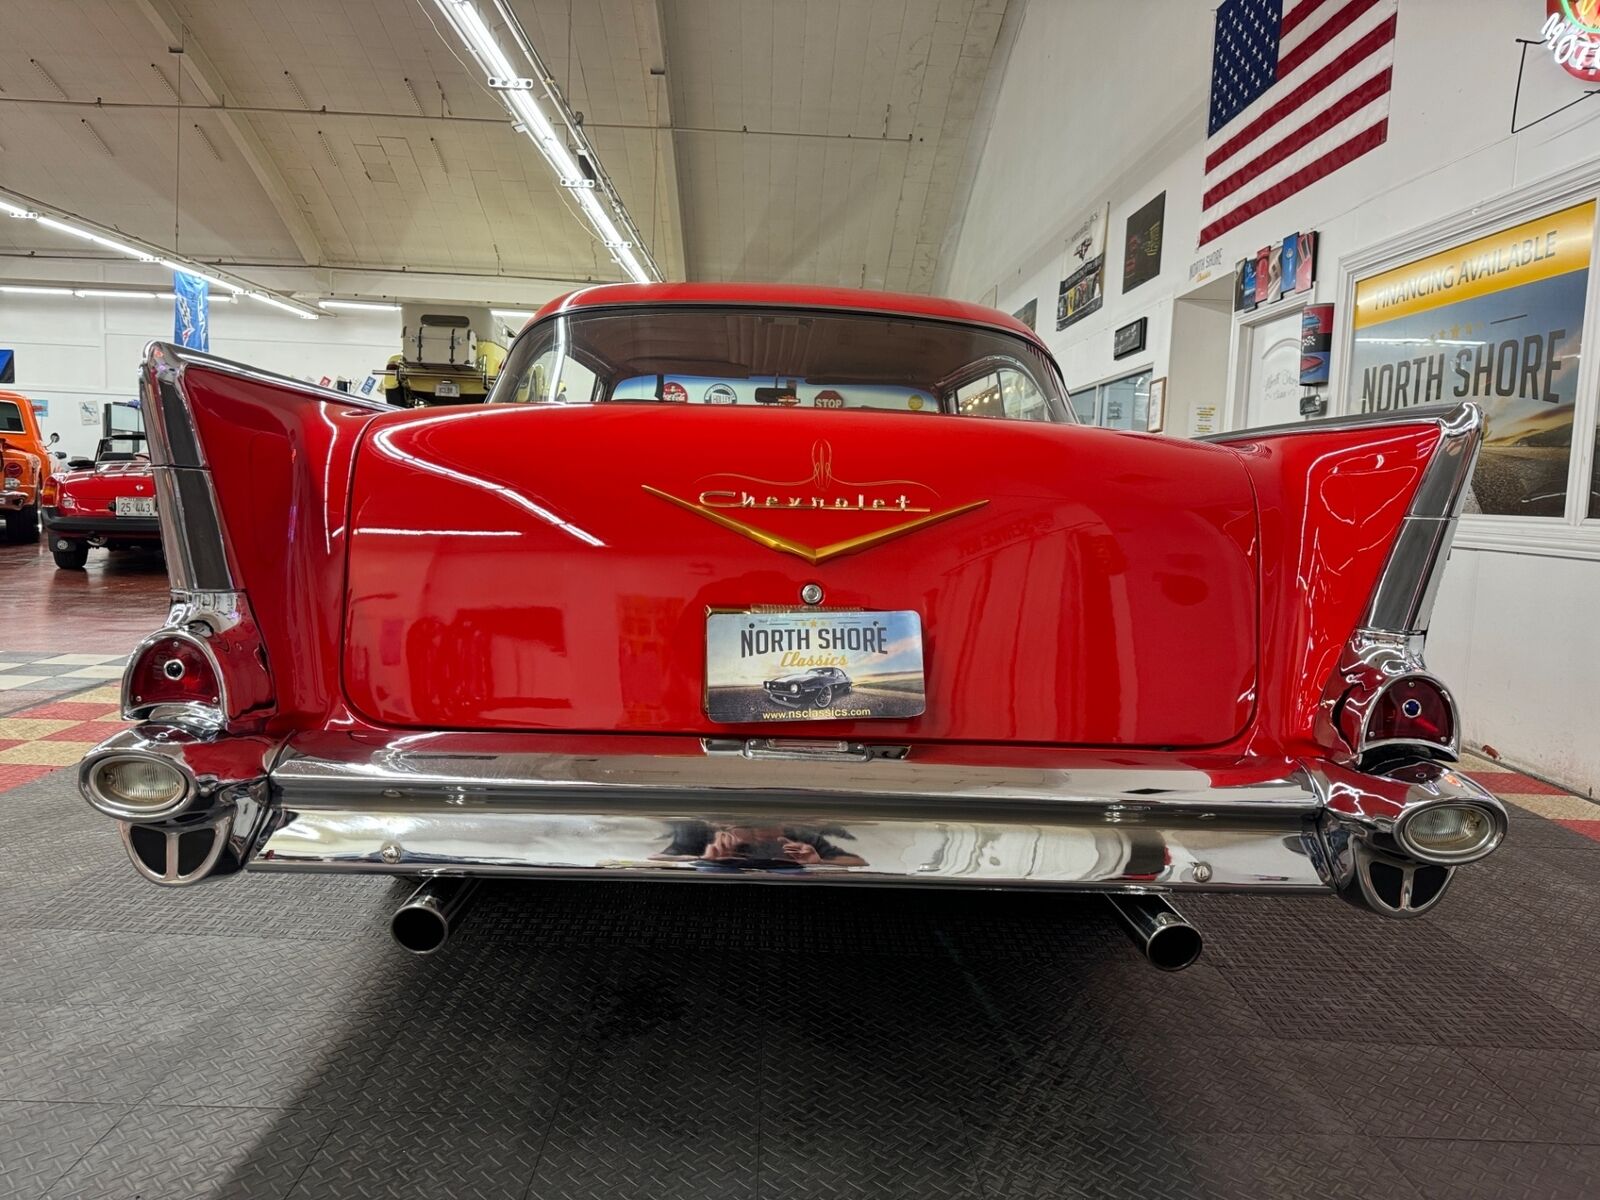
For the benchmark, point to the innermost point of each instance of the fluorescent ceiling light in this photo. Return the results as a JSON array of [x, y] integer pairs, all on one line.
[[513, 86], [359, 305], [265, 298], [93, 291], [66, 223], [111, 294], [511, 314]]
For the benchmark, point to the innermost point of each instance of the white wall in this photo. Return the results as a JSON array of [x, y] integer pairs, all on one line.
[[70, 350], [1098, 105]]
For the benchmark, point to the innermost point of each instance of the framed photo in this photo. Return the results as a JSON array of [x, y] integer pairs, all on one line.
[[1156, 410], [1141, 260]]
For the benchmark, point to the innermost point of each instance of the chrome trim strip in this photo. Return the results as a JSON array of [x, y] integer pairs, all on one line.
[[191, 529], [1402, 599], [174, 358], [426, 767], [1421, 412]]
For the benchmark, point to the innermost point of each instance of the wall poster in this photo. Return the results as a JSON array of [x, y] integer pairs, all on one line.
[[1141, 261], [1084, 275], [1498, 320], [1028, 314]]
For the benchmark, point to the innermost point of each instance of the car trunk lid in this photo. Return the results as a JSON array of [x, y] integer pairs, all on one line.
[[552, 567]]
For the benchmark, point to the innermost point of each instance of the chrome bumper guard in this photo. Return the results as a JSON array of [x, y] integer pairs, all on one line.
[[414, 807]]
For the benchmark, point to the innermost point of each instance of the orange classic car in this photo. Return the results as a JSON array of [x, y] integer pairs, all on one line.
[[25, 464]]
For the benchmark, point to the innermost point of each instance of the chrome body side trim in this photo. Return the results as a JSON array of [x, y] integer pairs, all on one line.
[[192, 535], [1402, 601], [1420, 412]]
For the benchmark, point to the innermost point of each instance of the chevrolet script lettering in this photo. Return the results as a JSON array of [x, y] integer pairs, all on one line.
[[857, 503], [821, 492]]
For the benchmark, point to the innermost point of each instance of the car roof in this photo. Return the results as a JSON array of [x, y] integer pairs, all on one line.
[[781, 295]]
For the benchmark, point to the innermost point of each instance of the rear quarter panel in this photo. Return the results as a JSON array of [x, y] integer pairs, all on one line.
[[1330, 504]]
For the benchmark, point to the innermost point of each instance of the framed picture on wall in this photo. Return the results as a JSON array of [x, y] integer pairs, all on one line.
[[1156, 411], [1141, 249]]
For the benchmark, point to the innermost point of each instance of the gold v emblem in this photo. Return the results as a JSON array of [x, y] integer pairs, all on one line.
[[814, 554]]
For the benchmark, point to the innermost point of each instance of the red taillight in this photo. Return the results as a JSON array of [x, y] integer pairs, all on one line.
[[1414, 708], [172, 670], [13, 469], [50, 493]]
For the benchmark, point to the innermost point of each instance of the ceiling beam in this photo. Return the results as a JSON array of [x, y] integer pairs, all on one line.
[[197, 65], [651, 21]]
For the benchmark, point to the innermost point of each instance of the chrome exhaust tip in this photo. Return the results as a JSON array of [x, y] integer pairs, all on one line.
[[1160, 931], [423, 924]]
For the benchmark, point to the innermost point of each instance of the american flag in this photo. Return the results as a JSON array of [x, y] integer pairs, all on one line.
[[1298, 89]]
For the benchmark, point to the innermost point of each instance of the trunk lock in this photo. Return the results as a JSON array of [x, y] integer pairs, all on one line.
[[811, 593]]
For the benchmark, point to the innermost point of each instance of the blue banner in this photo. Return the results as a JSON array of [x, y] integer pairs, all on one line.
[[191, 311]]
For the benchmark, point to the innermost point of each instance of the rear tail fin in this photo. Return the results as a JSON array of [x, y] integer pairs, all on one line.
[[1365, 509], [252, 477]]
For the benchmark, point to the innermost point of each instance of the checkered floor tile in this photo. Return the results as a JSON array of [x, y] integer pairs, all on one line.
[[41, 738], [27, 679], [1536, 796]]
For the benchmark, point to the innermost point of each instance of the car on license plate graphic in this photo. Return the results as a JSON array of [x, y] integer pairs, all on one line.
[[813, 666]]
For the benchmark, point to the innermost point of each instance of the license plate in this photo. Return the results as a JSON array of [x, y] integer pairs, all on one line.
[[135, 506], [447, 389], [812, 665]]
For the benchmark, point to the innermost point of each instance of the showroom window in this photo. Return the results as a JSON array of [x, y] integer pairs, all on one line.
[[1115, 404], [1497, 318]]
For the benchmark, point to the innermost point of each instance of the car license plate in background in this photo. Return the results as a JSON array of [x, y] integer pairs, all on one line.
[[813, 665], [136, 506], [448, 389]]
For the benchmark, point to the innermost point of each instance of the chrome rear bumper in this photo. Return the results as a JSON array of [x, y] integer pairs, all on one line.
[[877, 821], [468, 805]]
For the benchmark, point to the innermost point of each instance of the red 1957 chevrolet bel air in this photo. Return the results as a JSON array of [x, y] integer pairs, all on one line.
[[534, 637]]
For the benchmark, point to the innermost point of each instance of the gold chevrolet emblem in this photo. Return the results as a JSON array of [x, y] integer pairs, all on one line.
[[822, 494]]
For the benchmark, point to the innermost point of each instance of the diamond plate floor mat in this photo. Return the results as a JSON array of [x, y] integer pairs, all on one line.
[[262, 1038]]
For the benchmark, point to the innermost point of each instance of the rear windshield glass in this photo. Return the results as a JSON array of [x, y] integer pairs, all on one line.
[[780, 359], [10, 418]]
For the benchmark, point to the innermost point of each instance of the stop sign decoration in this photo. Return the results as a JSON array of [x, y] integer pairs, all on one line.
[[1572, 35]]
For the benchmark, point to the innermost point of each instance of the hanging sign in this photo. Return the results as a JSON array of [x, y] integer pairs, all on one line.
[[191, 311], [1083, 287], [1498, 320], [1572, 35], [8, 366]]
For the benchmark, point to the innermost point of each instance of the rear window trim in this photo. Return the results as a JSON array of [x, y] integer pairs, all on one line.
[[1060, 406]]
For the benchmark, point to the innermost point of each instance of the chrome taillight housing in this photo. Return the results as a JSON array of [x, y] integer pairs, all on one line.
[[1411, 712], [1415, 709], [173, 667], [207, 670]]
